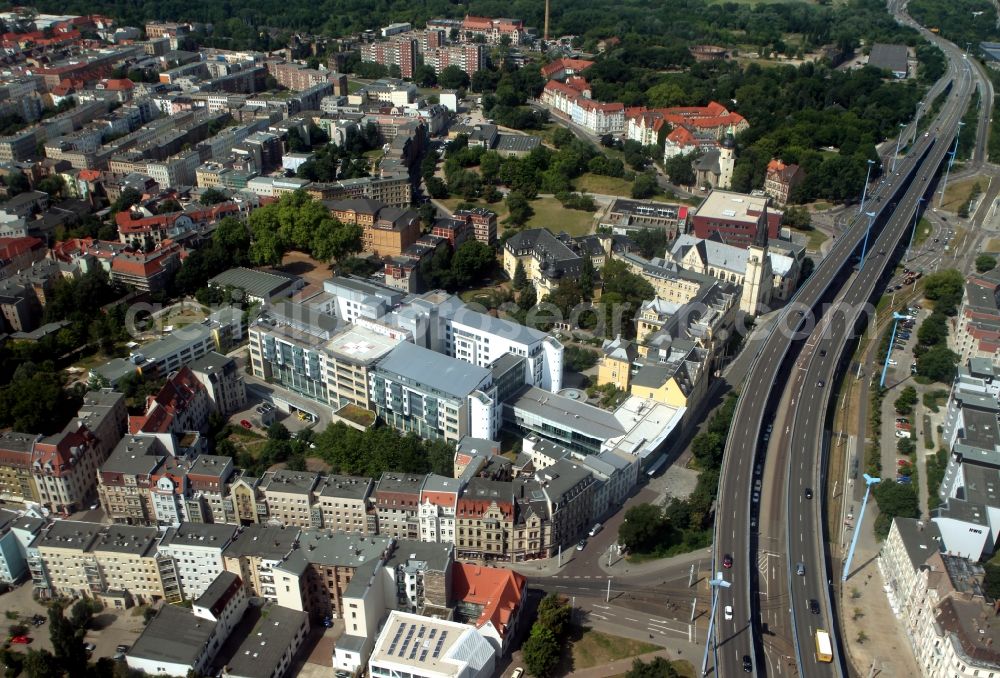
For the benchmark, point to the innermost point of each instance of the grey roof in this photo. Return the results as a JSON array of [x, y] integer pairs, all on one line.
[[435, 483], [135, 455], [345, 487], [556, 257], [264, 284], [420, 366], [962, 511], [265, 541], [199, 534], [341, 549], [400, 482], [28, 524], [294, 482], [654, 376], [139, 541], [517, 143], [17, 442], [69, 534], [484, 488], [174, 635], [508, 361], [260, 653], [921, 539], [6, 519], [550, 449], [562, 477], [436, 556], [212, 465], [889, 57], [477, 446], [507, 329], [980, 428], [981, 485], [212, 361], [350, 643], [216, 595], [566, 412]]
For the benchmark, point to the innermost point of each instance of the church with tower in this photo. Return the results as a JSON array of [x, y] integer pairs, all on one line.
[[714, 168]]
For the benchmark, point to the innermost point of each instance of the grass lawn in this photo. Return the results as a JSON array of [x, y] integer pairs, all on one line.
[[958, 193], [923, 232], [593, 648], [821, 205], [358, 415], [596, 183], [815, 238], [550, 214], [681, 666]]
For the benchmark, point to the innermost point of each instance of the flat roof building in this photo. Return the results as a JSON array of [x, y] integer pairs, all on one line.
[[430, 648]]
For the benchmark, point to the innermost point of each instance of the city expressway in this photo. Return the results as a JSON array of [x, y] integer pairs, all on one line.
[[791, 528]]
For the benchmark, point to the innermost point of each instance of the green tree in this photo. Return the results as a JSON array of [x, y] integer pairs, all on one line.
[[644, 186], [424, 76], [277, 431], [519, 209], [937, 363], [212, 196], [945, 289], [453, 77], [643, 528], [991, 580], [554, 613], [473, 262], [42, 664], [436, 188], [67, 640], [985, 262], [541, 651], [562, 137], [657, 668], [169, 206], [906, 400], [587, 274], [520, 279], [528, 298], [894, 499], [933, 330]]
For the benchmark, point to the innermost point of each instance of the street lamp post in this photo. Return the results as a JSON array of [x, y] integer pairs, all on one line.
[[902, 128], [916, 123], [896, 317], [916, 218], [716, 584], [869, 481], [864, 246], [864, 193], [951, 161]]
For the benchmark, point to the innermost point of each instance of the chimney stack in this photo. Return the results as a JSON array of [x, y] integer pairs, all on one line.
[[546, 38]]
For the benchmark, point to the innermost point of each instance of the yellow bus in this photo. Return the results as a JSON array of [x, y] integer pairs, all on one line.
[[824, 650]]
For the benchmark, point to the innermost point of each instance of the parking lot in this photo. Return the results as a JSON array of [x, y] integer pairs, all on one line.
[[109, 628]]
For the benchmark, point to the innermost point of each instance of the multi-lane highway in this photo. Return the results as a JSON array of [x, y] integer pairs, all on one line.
[[791, 524]]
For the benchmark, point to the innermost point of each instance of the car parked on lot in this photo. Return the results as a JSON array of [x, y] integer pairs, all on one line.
[[21, 640]]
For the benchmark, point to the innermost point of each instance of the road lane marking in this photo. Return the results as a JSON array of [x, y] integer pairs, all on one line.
[[630, 619]]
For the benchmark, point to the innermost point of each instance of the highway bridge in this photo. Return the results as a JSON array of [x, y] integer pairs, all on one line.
[[765, 519]]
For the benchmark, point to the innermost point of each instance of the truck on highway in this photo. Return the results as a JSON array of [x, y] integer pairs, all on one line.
[[824, 650]]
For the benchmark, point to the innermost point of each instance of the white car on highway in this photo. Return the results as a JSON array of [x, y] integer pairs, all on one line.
[[728, 612]]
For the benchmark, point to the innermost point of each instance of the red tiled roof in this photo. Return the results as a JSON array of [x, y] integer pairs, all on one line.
[[175, 397], [498, 591], [118, 84], [574, 65], [13, 247], [89, 174], [578, 83]]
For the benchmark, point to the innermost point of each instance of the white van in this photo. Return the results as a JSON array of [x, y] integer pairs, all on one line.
[[595, 529]]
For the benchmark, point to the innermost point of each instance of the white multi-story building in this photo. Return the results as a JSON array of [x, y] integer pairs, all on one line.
[[938, 598], [438, 499], [196, 549], [411, 644]]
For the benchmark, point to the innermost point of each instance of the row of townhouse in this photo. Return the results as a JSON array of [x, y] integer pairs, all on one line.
[[319, 574], [940, 601], [486, 512], [572, 100], [58, 472]]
